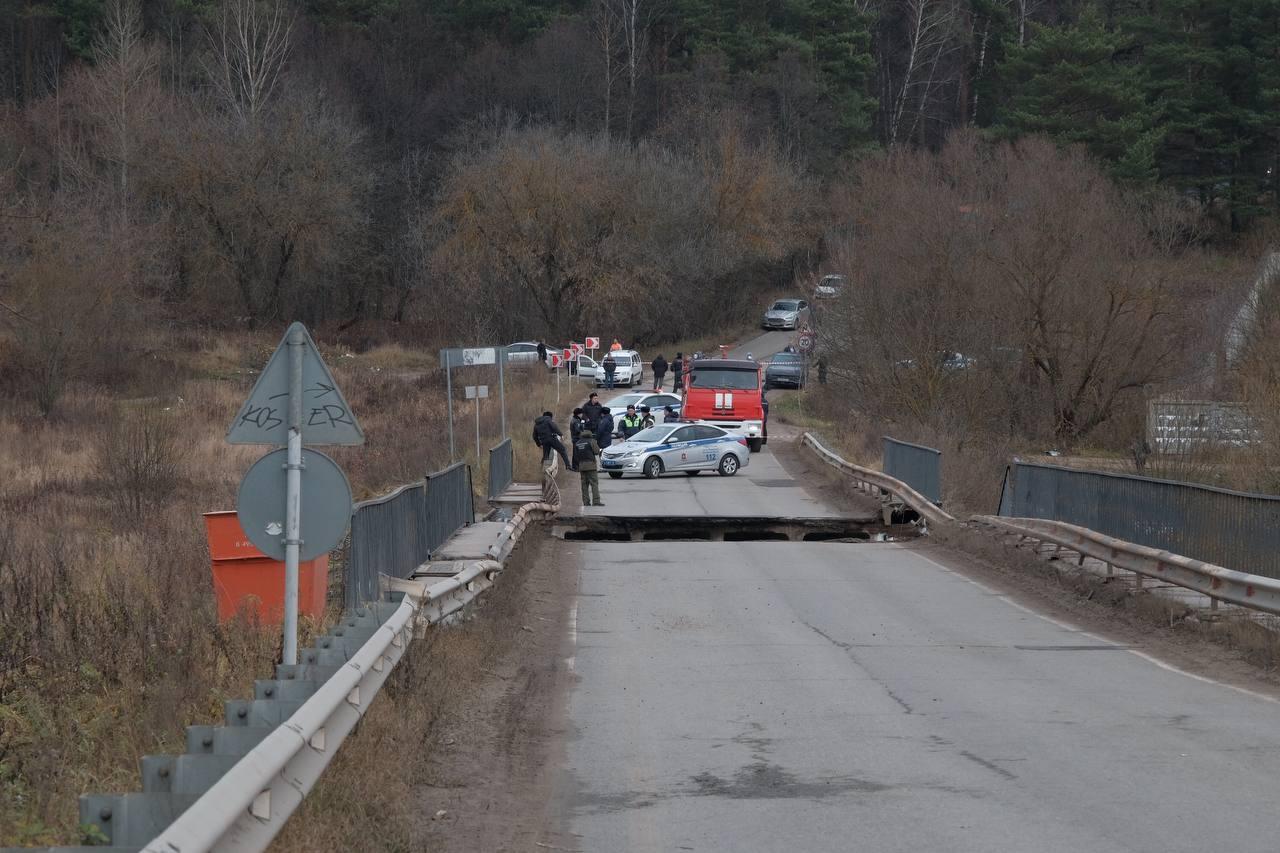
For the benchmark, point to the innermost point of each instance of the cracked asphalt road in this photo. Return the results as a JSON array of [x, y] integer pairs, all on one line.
[[761, 696]]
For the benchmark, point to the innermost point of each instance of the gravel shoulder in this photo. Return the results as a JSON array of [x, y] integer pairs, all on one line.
[[494, 769]]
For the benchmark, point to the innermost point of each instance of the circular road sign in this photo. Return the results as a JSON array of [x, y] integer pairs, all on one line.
[[806, 343], [326, 504]]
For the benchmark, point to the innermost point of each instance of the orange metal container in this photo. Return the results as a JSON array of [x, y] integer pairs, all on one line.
[[245, 577]]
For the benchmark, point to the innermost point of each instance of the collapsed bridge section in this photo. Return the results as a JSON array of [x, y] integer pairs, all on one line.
[[633, 528]]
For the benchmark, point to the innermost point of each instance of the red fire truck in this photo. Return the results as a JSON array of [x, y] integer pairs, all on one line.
[[725, 392]]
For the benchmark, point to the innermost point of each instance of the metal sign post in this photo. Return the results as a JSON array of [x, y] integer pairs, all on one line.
[[296, 391], [477, 393], [293, 497], [448, 394], [502, 395], [553, 360], [473, 357]]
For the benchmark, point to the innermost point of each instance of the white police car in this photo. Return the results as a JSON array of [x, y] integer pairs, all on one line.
[[669, 448]]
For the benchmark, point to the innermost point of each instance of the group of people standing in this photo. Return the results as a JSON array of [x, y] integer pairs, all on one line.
[[593, 426], [660, 368], [591, 430]]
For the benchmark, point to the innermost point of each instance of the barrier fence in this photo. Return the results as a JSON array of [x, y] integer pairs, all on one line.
[[918, 466], [1237, 530], [501, 467], [396, 533]]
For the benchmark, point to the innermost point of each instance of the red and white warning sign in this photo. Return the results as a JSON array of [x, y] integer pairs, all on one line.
[[577, 348], [593, 343]]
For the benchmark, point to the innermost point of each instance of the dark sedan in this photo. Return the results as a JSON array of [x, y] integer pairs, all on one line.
[[785, 370]]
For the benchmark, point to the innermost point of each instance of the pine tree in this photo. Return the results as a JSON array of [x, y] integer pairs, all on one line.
[[1082, 83], [1211, 69]]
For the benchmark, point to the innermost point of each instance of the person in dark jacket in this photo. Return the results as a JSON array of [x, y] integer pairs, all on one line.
[[577, 425], [542, 352], [764, 425], [677, 372], [610, 367], [669, 415], [604, 428], [646, 417], [659, 372], [591, 411], [547, 436], [585, 451]]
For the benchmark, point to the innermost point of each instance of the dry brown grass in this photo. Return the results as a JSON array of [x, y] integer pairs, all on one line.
[[110, 638], [367, 799], [109, 641]]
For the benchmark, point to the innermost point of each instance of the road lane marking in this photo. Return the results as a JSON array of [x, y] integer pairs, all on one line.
[[572, 659], [1168, 667]]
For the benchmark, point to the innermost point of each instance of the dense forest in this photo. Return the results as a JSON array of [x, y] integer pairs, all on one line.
[[631, 163]]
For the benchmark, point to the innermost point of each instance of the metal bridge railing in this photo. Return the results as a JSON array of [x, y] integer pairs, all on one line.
[[450, 503], [501, 467], [1237, 530], [396, 533], [918, 466]]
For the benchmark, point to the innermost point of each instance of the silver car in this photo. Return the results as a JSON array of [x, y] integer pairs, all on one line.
[[690, 448], [830, 287], [522, 352], [786, 314]]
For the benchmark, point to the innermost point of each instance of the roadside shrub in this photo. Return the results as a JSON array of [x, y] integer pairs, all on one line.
[[139, 459]]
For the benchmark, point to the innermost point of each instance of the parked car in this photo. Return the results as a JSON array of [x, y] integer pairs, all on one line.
[[677, 447], [949, 361], [523, 352], [785, 370], [786, 314], [586, 367], [829, 287], [656, 402], [630, 368]]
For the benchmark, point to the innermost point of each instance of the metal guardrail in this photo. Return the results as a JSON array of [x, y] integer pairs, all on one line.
[[1218, 526], [1238, 588], [918, 466], [550, 504], [239, 782], [501, 467], [249, 806], [396, 533], [879, 483]]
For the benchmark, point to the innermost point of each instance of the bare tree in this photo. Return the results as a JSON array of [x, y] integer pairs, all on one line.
[[606, 24], [250, 43], [1014, 277], [622, 29], [1024, 10], [930, 35], [637, 16], [122, 87], [578, 232]]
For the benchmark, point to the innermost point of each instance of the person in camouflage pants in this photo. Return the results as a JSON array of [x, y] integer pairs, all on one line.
[[585, 451]]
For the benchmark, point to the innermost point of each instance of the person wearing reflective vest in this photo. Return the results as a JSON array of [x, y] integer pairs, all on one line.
[[631, 423]]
